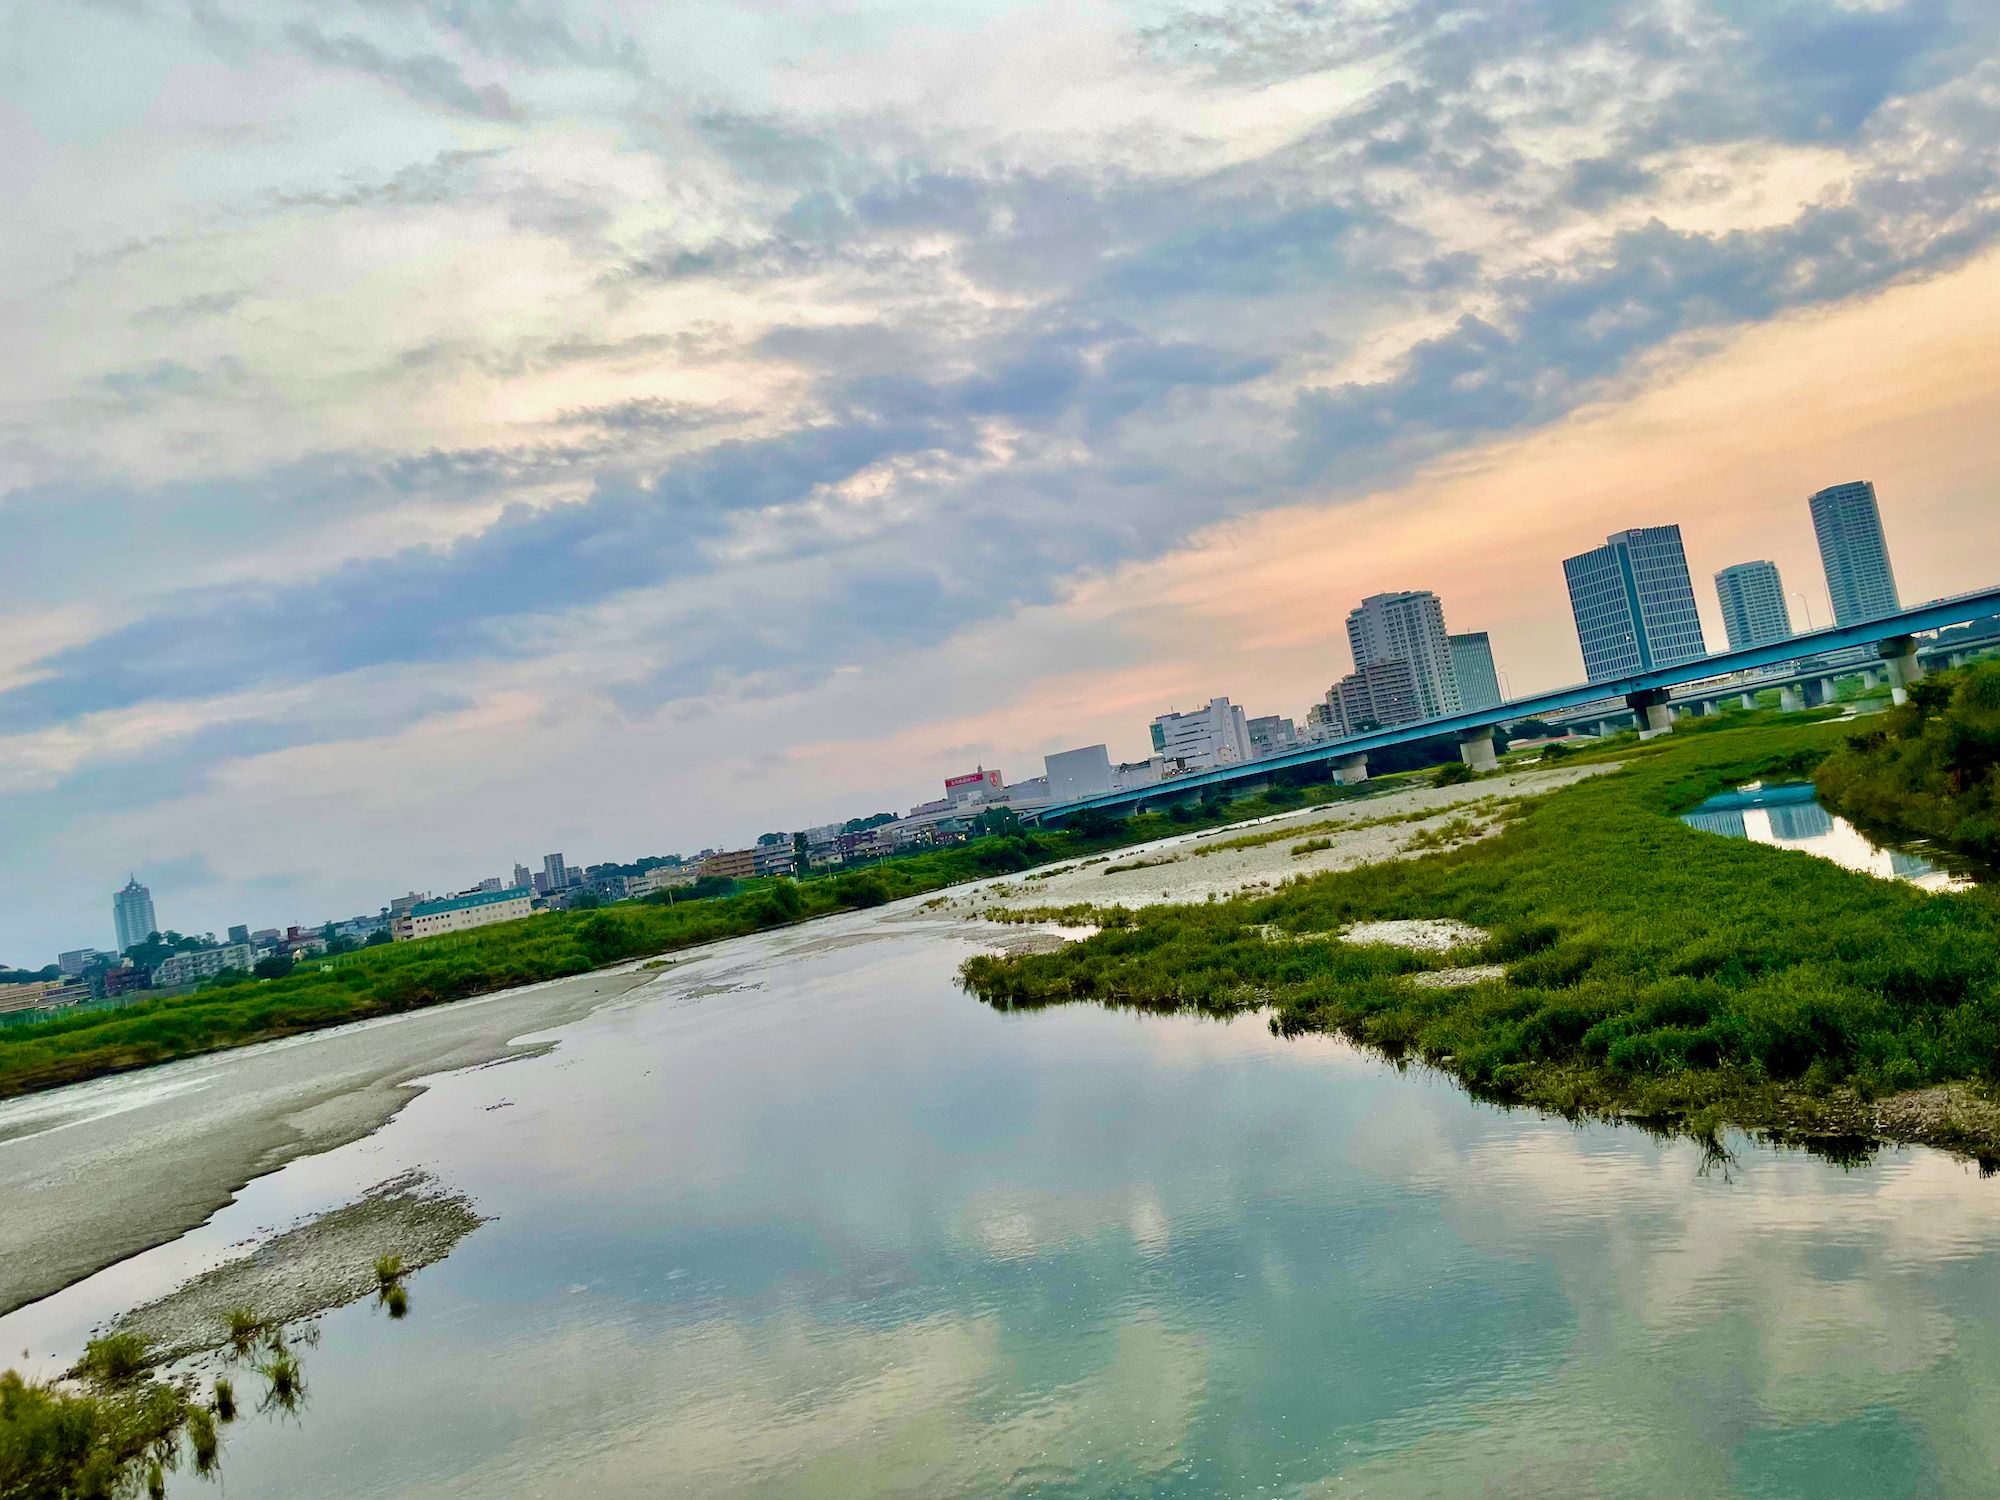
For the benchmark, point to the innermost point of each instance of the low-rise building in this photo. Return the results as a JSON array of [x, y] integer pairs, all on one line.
[[203, 963], [1272, 734], [730, 864], [660, 878], [458, 913]]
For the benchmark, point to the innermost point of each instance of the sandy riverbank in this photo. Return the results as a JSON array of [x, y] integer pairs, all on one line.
[[1191, 866], [98, 1171]]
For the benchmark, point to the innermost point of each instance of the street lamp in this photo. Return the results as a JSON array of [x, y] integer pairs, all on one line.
[[1806, 605], [1507, 685]]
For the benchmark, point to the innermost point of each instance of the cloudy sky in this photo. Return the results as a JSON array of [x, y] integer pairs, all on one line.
[[440, 432]]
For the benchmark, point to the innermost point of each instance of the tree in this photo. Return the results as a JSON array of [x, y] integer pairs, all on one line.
[[997, 820], [277, 966], [769, 840], [801, 854], [380, 936]]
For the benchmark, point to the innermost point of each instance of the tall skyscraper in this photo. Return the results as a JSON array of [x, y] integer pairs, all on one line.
[[557, 872], [1634, 603], [524, 878], [1472, 668], [1407, 627], [1859, 580], [132, 914], [1753, 604]]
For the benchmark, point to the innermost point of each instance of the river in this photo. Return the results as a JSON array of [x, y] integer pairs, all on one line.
[[800, 1218]]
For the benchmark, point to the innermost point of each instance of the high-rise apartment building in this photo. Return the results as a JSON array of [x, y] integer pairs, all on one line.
[[1204, 738], [1472, 668], [524, 878], [1854, 552], [1408, 627], [556, 871], [132, 914], [1753, 605], [1634, 603], [1376, 696]]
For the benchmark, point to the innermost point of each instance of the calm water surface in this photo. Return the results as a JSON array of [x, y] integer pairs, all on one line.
[[845, 1232], [1788, 816]]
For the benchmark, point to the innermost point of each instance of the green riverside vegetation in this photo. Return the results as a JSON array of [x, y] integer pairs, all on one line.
[[1651, 970], [389, 978], [1930, 768]]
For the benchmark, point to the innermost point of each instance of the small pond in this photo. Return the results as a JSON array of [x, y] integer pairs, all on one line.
[[1788, 814]]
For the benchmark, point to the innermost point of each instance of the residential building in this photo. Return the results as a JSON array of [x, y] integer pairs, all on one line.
[[1634, 603], [1376, 696], [132, 914], [1323, 721], [203, 963], [457, 913], [660, 878], [540, 884], [1076, 774], [557, 872], [1217, 735], [491, 883], [240, 933], [77, 960], [774, 859], [1854, 552], [607, 885], [42, 994], [1408, 627], [1472, 669], [1271, 734], [730, 864], [524, 878], [1754, 611]]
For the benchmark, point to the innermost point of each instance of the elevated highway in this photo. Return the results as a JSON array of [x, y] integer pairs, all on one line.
[[1647, 695]]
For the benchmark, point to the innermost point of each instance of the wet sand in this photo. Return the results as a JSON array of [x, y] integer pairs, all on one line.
[[96, 1172]]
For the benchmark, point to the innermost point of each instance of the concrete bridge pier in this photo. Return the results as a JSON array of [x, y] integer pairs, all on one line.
[[1829, 690], [1899, 656], [1607, 728], [1475, 748], [1791, 699], [1749, 700], [1650, 707], [1350, 770]]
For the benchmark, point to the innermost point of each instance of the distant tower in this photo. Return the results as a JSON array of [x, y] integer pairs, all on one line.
[[524, 878], [555, 870], [132, 914], [1753, 604], [1407, 627], [1859, 580], [1634, 603], [1472, 667]]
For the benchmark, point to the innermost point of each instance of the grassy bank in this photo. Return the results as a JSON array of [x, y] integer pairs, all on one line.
[[1930, 768], [409, 976], [1651, 970]]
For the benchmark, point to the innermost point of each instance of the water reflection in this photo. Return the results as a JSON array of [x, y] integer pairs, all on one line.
[[1789, 816], [849, 1233]]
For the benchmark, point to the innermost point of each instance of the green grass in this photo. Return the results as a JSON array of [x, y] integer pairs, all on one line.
[[1651, 969], [1929, 769]]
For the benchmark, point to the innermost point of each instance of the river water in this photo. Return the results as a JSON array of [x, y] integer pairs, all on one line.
[[806, 1220]]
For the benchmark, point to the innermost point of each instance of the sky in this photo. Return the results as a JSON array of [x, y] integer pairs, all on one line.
[[437, 433]]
